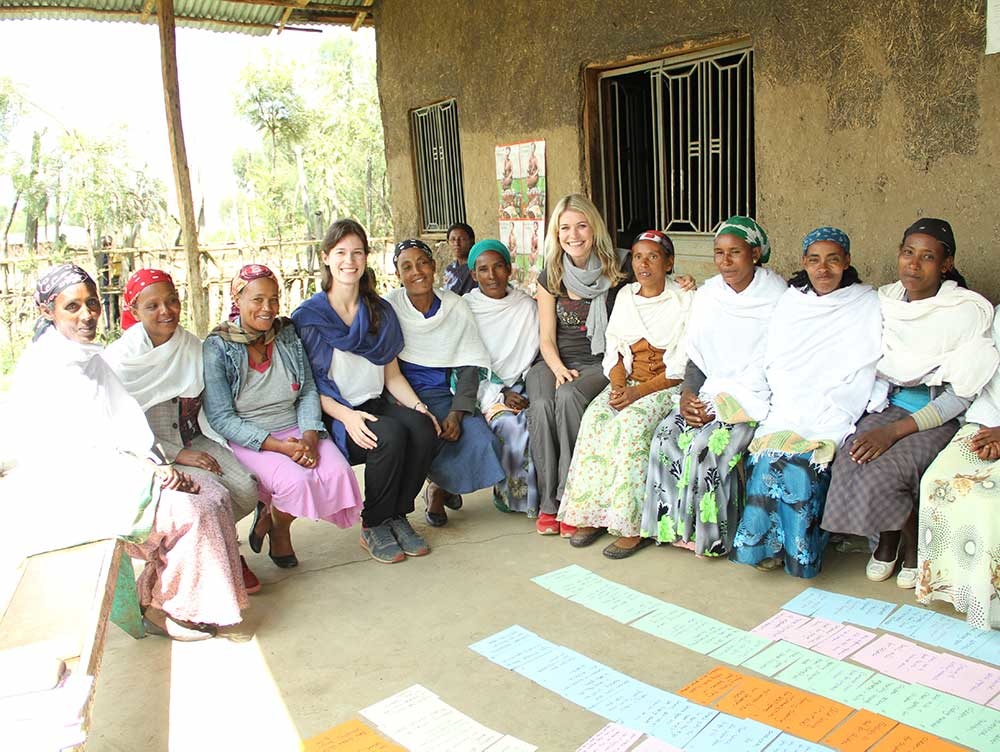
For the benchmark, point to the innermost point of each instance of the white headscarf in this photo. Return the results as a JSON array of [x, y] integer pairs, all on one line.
[[727, 336], [820, 362], [986, 409], [154, 375], [944, 339], [661, 321], [508, 328], [448, 339]]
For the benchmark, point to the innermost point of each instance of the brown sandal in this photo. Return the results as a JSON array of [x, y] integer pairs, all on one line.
[[614, 551], [582, 539]]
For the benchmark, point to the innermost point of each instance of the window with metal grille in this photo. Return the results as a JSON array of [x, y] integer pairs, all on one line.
[[677, 143], [439, 165]]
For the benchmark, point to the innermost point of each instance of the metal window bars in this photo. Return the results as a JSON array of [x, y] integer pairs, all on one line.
[[439, 165], [700, 140]]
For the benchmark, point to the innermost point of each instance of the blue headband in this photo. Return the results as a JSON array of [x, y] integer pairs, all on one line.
[[488, 244], [832, 234]]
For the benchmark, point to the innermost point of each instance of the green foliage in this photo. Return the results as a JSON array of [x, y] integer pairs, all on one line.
[[322, 154]]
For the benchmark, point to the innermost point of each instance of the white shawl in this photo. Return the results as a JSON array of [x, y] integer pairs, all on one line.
[[820, 362], [727, 336], [986, 409], [74, 422], [660, 321], [508, 328], [154, 375], [944, 339], [448, 339]]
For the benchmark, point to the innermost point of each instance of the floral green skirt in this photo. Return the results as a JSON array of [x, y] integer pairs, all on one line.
[[694, 490], [606, 484]]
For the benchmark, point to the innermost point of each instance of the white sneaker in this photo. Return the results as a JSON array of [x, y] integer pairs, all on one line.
[[907, 578], [880, 571]]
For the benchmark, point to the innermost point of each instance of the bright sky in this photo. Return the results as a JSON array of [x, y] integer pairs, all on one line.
[[95, 76]]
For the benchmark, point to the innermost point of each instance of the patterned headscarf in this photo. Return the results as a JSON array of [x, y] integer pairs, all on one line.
[[50, 284], [938, 229], [404, 245], [230, 330], [832, 234], [659, 238], [487, 245], [244, 277], [750, 231], [138, 282]]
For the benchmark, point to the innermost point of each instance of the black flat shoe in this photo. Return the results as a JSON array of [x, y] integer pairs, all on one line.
[[285, 562], [453, 501], [256, 541]]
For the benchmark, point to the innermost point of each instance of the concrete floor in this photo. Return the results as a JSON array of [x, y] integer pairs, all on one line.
[[342, 631]]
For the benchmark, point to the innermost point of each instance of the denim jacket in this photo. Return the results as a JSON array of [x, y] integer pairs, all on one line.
[[225, 364]]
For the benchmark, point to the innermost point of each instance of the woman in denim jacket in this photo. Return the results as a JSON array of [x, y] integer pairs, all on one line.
[[268, 410]]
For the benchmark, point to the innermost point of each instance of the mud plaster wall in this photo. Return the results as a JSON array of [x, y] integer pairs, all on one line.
[[867, 115]]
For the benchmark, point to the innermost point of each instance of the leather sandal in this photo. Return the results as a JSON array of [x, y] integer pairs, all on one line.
[[614, 551], [582, 538], [176, 629]]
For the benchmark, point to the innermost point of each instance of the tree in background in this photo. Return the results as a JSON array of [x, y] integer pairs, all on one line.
[[322, 152]]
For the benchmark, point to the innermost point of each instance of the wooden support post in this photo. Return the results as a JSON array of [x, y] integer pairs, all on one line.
[[197, 297]]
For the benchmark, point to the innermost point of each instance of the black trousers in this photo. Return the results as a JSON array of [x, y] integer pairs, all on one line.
[[396, 469]]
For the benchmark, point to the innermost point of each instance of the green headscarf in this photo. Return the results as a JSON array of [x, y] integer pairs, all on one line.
[[750, 231], [487, 245]]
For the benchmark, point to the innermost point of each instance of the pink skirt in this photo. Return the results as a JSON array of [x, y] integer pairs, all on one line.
[[329, 491]]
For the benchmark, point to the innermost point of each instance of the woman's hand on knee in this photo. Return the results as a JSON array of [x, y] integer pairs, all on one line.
[[357, 428], [565, 375], [514, 400], [451, 427], [693, 410], [871, 445], [172, 479], [194, 458]]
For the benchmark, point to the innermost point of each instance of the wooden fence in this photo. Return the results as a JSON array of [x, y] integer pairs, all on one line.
[[296, 263]]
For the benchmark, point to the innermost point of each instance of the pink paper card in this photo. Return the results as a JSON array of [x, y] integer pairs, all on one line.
[[961, 677], [896, 657], [812, 632], [842, 643], [782, 622]]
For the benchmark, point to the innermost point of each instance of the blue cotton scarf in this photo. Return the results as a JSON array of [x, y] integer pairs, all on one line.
[[322, 331]]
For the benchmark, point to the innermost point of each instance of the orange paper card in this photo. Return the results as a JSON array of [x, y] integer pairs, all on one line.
[[859, 732], [800, 713], [709, 687], [353, 736], [908, 739]]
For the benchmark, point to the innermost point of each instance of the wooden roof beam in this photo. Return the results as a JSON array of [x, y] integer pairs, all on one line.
[[147, 10], [360, 18]]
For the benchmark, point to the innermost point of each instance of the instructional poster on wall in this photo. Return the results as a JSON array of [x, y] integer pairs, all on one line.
[[520, 170]]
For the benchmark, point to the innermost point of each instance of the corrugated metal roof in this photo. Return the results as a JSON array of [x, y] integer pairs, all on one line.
[[247, 17]]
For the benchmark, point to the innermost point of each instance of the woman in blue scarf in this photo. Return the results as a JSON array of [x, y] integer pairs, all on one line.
[[352, 338]]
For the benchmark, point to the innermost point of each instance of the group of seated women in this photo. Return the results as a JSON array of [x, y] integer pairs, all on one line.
[[748, 419]]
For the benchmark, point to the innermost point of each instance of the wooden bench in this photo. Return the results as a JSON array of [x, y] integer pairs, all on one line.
[[63, 602]]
